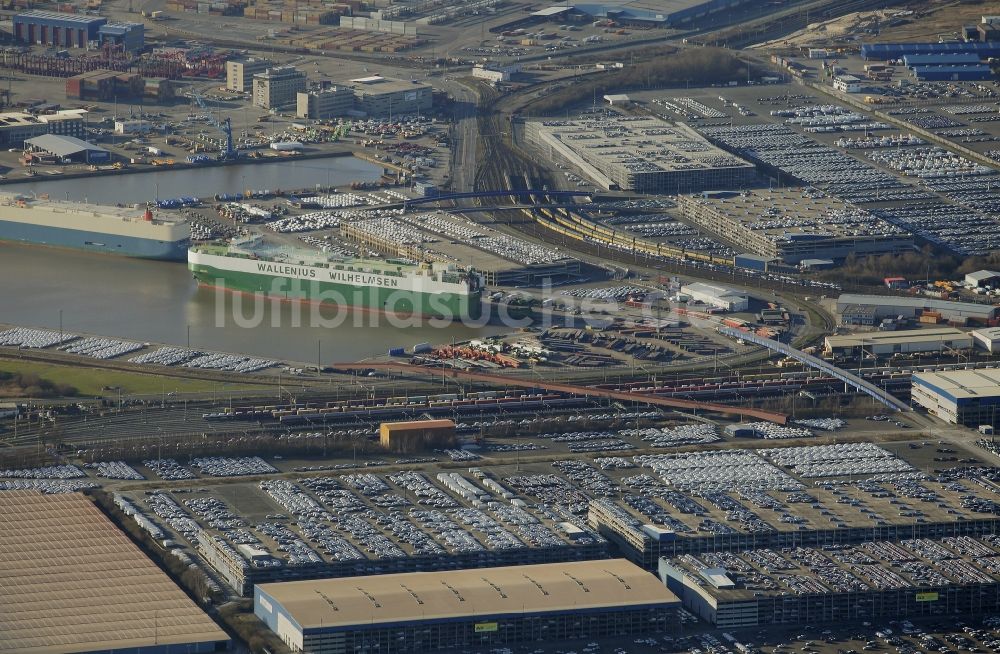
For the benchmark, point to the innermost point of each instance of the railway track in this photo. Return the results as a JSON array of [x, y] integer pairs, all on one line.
[[787, 21]]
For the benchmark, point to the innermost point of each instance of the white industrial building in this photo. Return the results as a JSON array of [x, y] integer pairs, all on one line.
[[982, 278], [495, 72], [911, 341], [987, 339], [719, 297], [847, 83], [133, 126], [961, 397], [891, 306], [618, 99]]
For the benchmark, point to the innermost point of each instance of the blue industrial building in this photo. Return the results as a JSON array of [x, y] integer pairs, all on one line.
[[961, 397], [949, 59], [129, 35], [891, 51], [703, 9], [56, 29], [972, 73]]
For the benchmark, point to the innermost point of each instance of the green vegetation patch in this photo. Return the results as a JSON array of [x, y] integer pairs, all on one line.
[[34, 379]]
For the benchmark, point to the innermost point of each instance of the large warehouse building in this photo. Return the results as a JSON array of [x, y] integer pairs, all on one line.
[[793, 224], [65, 30], [911, 341], [719, 297], [960, 397], [68, 148], [641, 13], [647, 155], [56, 29], [71, 581], [891, 306], [425, 611]]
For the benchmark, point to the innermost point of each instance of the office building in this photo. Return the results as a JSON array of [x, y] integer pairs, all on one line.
[[495, 72], [240, 72], [16, 128], [69, 122], [383, 97], [277, 88], [325, 103]]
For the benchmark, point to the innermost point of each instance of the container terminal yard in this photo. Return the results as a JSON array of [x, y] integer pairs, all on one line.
[[714, 366]]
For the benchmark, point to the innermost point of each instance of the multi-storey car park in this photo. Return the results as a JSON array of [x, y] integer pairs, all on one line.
[[368, 523], [642, 154], [793, 224], [807, 496], [913, 577]]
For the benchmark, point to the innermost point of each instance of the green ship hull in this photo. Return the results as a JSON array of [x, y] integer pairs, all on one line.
[[443, 305]]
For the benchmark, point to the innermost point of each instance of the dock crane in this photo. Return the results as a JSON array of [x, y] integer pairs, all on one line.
[[225, 126]]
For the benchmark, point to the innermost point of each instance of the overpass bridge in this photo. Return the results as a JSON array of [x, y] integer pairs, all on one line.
[[826, 367]]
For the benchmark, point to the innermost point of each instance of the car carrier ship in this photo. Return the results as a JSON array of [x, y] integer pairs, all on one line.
[[126, 231], [394, 286]]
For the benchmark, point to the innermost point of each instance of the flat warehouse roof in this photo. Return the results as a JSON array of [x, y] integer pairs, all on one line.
[[638, 144], [71, 581], [918, 302], [60, 16], [711, 289], [418, 424], [62, 146], [962, 384], [457, 594], [552, 11], [908, 336]]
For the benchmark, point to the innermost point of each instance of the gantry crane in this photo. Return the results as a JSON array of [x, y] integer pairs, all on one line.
[[225, 126]]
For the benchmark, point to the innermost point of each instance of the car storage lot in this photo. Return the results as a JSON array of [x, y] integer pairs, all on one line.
[[519, 499], [916, 185]]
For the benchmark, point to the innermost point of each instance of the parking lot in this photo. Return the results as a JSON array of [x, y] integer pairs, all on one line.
[[942, 197]]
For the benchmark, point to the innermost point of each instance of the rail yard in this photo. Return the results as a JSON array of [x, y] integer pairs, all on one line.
[[495, 327]]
